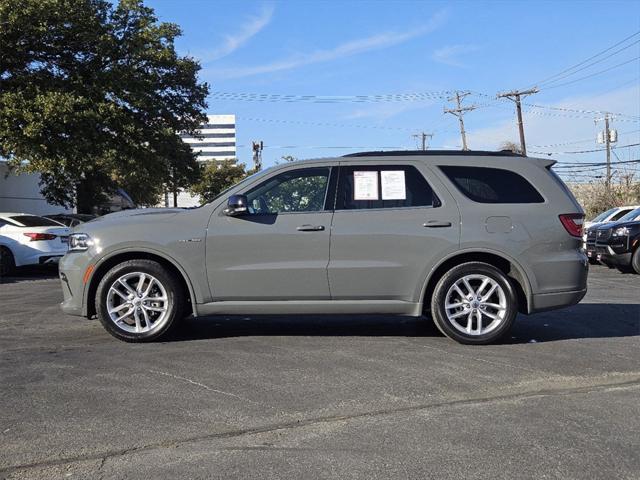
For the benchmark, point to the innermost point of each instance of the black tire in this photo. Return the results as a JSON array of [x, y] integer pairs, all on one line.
[[625, 269], [445, 325], [593, 261], [7, 262], [635, 261], [175, 300]]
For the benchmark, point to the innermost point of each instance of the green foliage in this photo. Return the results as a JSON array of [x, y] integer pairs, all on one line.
[[93, 95], [216, 178]]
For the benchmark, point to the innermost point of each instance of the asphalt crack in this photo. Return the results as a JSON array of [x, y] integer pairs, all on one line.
[[108, 454]]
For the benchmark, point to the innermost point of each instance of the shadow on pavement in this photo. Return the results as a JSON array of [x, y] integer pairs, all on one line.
[[30, 273], [580, 321]]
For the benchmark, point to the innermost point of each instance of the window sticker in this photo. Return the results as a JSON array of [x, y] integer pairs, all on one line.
[[393, 185], [365, 185]]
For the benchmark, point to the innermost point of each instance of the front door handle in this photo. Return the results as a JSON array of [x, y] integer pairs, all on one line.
[[310, 228], [436, 224]]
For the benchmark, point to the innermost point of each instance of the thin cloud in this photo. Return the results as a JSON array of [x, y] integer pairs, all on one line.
[[448, 55], [354, 47], [249, 29]]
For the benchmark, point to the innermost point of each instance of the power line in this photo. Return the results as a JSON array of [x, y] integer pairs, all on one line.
[[268, 97], [573, 142], [592, 75], [324, 124], [588, 59], [576, 110], [593, 164], [586, 151], [591, 64]]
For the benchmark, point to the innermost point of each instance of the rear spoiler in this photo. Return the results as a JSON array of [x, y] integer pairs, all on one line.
[[543, 162]]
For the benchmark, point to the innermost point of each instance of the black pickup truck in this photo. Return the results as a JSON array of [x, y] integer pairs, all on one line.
[[618, 244]]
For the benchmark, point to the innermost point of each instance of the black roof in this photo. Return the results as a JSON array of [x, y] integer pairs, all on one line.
[[408, 153]]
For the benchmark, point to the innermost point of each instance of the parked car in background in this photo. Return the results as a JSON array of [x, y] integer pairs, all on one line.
[[617, 245], [30, 240], [71, 219], [592, 254], [469, 237], [611, 215]]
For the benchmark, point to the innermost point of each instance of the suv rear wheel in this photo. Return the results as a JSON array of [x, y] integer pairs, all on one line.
[[474, 303], [139, 301]]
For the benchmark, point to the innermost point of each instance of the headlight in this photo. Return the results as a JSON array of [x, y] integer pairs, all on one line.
[[620, 232], [79, 242]]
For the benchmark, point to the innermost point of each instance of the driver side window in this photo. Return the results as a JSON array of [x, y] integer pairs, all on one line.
[[300, 190]]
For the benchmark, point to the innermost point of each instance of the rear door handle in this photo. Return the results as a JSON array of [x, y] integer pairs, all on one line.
[[310, 228], [436, 224]]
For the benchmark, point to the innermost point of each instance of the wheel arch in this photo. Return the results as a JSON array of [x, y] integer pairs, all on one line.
[[114, 258], [507, 265]]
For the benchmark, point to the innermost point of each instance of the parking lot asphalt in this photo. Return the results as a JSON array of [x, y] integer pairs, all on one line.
[[320, 397]]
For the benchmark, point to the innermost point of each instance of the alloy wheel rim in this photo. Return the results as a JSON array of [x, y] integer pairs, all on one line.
[[476, 304], [138, 303]]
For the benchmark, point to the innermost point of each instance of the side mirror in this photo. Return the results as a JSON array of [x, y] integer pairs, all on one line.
[[236, 205]]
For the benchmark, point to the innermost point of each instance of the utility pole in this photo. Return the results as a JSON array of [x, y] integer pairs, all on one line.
[[516, 96], [608, 137], [257, 155], [423, 136], [459, 111], [608, 144]]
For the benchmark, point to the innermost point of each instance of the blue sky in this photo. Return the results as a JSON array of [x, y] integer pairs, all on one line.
[[342, 48]]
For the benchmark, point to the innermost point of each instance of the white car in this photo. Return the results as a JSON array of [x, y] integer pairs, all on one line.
[[30, 240], [610, 215]]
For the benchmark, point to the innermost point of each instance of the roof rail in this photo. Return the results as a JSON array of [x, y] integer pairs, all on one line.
[[408, 153]]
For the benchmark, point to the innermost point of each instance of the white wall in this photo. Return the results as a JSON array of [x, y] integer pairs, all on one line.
[[21, 193]]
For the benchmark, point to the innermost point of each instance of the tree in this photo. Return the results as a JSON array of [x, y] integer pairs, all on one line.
[[217, 177], [93, 96], [596, 198], [510, 146]]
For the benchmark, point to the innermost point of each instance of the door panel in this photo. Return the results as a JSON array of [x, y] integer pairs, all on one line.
[[267, 257], [279, 250], [385, 253]]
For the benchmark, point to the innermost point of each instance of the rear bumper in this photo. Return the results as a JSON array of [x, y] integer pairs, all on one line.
[[551, 301]]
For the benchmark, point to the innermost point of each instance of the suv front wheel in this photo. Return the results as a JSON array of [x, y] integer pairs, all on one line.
[[474, 303], [139, 301]]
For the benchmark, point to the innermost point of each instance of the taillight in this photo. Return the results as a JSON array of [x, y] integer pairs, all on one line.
[[40, 236], [572, 222]]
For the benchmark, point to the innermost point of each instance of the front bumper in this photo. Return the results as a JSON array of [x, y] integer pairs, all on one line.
[[71, 270], [615, 259], [49, 259], [616, 252]]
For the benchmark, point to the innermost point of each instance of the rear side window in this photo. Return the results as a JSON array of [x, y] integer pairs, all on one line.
[[492, 185], [383, 186], [620, 214], [34, 221]]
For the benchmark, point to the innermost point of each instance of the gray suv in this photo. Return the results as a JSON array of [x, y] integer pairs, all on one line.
[[472, 238]]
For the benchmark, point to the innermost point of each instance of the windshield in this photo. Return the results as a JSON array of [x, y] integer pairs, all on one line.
[[603, 215], [35, 221], [631, 216]]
